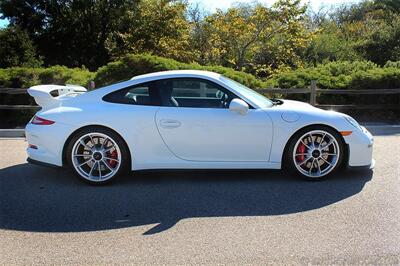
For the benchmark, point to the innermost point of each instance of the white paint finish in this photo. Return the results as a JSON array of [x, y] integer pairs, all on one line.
[[194, 137], [290, 116], [43, 98], [50, 141], [239, 106], [361, 145], [210, 134]]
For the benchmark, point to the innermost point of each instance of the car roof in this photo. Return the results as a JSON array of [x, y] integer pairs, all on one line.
[[176, 74], [212, 76]]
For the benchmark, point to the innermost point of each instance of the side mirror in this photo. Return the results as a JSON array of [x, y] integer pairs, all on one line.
[[239, 106]]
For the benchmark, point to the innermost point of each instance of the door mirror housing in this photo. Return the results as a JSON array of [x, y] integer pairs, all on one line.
[[239, 106]]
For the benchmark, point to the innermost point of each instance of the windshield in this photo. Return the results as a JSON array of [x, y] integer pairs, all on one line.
[[253, 96]]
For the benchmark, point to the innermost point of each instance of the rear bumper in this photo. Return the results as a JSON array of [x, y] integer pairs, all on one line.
[[49, 141], [29, 160]]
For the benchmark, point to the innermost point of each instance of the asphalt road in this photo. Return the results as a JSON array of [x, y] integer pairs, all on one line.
[[47, 216]]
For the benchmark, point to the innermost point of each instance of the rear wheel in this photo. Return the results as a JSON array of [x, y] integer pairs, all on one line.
[[97, 155], [315, 152]]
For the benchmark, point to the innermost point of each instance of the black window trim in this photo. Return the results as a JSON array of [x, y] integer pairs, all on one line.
[[143, 84]]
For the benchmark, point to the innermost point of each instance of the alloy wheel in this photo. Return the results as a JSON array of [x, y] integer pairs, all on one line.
[[316, 153], [96, 157]]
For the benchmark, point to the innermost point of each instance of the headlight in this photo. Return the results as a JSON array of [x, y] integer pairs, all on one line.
[[353, 122]]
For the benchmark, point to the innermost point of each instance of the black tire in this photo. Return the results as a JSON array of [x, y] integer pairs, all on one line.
[[289, 158], [124, 164]]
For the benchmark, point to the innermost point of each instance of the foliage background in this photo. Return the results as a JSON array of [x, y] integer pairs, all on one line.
[[285, 45], [254, 38]]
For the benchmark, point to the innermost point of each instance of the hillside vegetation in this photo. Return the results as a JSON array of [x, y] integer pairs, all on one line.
[[331, 75], [285, 44]]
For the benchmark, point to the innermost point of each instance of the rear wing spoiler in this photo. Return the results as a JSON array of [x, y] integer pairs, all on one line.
[[46, 95]]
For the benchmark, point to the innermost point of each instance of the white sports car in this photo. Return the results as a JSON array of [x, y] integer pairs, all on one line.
[[188, 120]]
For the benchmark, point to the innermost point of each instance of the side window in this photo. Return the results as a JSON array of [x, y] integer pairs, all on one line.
[[192, 92], [141, 94]]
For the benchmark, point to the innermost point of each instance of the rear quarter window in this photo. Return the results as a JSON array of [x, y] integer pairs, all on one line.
[[141, 94]]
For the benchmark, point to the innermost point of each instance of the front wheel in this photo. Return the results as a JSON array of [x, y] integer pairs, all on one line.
[[315, 153], [97, 155]]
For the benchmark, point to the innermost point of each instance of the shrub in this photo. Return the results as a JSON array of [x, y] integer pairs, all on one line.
[[24, 77], [344, 75], [341, 75], [395, 64], [135, 64]]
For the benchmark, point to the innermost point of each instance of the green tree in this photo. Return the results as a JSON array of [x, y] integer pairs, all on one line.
[[283, 46], [70, 32], [234, 33], [16, 48], [200, 36], [251, 37], [157, 26], [382, 43], [332, 43], [369, 30]]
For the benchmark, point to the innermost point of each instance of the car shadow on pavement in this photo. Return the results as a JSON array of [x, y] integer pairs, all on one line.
[[40, 199]]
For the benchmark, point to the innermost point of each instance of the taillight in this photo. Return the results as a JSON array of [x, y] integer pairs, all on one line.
[[41, 121]]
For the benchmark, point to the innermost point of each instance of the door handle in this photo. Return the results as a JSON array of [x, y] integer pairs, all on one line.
[[168, 123]]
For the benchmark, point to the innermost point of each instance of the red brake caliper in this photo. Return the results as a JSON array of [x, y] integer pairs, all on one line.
[[300, 149], [113, 155]]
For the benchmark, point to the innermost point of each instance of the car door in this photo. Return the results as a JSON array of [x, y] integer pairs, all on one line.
[[196, 124]]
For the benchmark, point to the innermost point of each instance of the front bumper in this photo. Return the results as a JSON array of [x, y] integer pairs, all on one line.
[[360, 149], [364, 167]]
